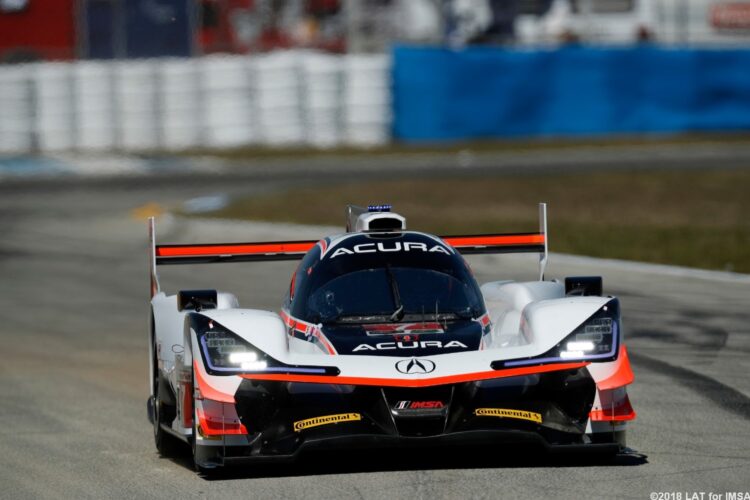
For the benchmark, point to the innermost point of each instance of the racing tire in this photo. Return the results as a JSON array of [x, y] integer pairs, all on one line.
[[166, 444]]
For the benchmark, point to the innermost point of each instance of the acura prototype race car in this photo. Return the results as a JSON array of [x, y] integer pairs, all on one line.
[[385, 339]]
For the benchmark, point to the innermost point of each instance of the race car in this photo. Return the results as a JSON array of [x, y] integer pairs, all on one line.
[[385, 339]]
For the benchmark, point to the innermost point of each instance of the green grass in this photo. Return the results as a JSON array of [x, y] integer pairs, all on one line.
[[689, 218], [488, 146]]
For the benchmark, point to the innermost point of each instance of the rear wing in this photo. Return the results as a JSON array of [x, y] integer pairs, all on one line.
[[293, 250], [507, 243]]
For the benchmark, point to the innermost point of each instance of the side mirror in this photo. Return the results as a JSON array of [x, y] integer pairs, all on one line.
[[196, 300]]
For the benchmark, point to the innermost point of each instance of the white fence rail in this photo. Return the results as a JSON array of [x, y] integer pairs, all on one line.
[[285, 98]]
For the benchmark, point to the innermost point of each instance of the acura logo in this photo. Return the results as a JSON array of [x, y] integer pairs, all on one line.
[[415, 366]]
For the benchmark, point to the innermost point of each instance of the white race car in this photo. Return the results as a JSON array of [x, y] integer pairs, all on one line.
[[385, 339]]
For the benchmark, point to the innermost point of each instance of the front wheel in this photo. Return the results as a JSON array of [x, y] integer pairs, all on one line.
[[162, 413]]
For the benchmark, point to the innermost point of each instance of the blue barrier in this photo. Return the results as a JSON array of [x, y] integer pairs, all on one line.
[[493, 92]]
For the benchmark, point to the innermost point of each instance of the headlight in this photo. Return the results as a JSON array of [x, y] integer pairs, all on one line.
[[594, 337], [226, 353], [597, 339]]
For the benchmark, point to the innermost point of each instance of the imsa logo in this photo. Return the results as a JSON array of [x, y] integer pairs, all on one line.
[[419, 405], [301, 425]]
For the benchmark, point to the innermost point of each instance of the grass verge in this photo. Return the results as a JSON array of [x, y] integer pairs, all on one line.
[[494, 146], [688, 218]]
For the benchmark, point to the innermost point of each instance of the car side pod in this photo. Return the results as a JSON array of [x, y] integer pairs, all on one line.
[[613, 403], [216, 419], [619, 408]]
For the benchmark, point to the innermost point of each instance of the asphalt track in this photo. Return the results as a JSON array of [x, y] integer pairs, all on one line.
[[73, 302]]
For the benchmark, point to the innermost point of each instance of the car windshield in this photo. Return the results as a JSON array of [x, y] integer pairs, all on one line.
[[393, 294]]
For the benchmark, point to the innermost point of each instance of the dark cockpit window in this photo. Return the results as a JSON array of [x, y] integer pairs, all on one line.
[[369, 278]]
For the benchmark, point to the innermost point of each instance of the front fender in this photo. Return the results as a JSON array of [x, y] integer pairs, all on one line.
[[547, 322]]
